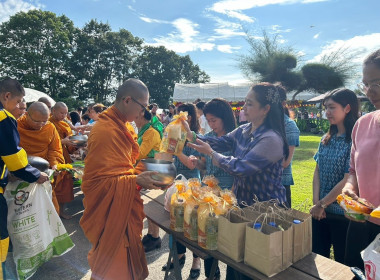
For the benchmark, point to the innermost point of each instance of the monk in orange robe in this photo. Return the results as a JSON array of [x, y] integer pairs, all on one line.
[[64, 185], [113, 216], [40, 138]]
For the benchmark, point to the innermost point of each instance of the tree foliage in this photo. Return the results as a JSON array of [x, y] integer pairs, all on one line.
[[80, 65], [161, 69]]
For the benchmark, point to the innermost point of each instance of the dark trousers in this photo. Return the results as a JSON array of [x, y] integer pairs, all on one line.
[[288, 196], [330, 231], [182, 250], [208, 265], [359, 236]]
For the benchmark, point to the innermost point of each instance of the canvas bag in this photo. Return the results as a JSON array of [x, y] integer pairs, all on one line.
[[36, 231], [231, 235], [302, 232], [371, 258]]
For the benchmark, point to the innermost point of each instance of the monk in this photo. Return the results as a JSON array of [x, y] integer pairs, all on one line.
[[64, 187], [40, 138], [46, 101], [113, 216], [19, 110]]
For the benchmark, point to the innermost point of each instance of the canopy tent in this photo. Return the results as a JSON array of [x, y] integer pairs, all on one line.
[[32, 95], [230, 92]]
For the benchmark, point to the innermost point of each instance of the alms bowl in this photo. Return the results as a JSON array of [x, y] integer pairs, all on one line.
[[79, 139], [39, 163], [166, 170]]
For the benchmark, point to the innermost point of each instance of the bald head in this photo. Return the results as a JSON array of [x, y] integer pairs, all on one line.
[[59, 111], [46, 101], [59, 105], [133, 88], [40, 108]]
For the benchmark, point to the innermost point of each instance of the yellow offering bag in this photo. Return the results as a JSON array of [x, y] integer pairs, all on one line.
[[191, 218], [174, 137]]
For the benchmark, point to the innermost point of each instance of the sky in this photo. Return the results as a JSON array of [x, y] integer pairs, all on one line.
[[213, 34]]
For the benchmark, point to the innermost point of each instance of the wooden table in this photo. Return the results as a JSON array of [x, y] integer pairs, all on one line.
[[312, 266]]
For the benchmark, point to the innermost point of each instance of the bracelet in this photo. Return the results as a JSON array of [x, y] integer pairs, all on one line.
[[320, 204], [212, 154], [194, 137]]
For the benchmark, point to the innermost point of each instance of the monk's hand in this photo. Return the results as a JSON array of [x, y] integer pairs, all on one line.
[[66, 141], [201, 147], [146, 181], [43, 178]]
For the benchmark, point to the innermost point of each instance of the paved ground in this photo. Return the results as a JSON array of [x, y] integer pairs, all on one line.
[[73, 265]]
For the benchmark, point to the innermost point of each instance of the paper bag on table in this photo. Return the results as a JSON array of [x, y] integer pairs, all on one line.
[[231, 235]]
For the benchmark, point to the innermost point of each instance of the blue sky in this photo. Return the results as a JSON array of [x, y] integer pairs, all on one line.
[[212, 32]]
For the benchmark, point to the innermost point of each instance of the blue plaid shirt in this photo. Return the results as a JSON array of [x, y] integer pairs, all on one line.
[[333, 162], [255, 163]]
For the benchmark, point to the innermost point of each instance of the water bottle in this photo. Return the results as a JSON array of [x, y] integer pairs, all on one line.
[[296, 222], [257, 226]]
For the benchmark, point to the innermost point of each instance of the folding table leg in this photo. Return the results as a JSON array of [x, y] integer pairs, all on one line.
[[213, 268], [177, 269], [168, 264]]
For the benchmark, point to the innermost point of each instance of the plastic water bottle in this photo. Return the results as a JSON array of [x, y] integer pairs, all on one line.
[[272, 224], [257, 226], [296, 222]]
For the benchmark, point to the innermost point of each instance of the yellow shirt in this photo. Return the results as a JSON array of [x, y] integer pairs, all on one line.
[[150, 140]]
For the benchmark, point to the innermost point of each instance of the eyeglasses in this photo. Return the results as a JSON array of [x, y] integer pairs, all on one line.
[[37, 122], [142, 106], [363, 88]]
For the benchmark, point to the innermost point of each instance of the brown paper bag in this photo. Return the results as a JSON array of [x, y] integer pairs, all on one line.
[[263, 250], [302, 236], [287, 234], [231, 235]]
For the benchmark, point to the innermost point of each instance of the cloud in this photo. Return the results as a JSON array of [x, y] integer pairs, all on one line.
[[277, 29], [185, 38], [227, 48], [234, 8], [316, 35], [11, 7], [361, 46]]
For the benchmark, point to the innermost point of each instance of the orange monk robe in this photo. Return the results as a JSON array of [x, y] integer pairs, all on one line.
[[64, 184], [113, 216], [64, 130], [43, 143]]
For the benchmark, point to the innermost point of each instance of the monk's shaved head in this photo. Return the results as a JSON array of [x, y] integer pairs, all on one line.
[[59, 105], [133, 88], [40, 108], [46, 101]]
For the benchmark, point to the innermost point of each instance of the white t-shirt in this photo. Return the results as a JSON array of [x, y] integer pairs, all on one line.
[[204, 124]]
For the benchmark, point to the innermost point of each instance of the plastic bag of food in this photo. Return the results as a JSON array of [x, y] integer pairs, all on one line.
[[207, 227], [229, 197], [212, 184], [357, 210], [191, 218], [174, 137], [177, 210]]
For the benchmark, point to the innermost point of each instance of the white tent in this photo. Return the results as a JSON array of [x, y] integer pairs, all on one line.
[[32, 95], [230, 92]]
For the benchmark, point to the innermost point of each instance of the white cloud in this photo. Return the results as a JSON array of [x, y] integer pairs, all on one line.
[[152, 20], [227, 48], [11, 7], [234, 8], [361, 46], [277, 29], [316, 35]]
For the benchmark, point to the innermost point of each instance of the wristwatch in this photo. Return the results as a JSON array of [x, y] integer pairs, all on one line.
[[322, 205]]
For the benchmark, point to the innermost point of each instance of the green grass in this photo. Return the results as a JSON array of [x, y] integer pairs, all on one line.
[[303, 169]]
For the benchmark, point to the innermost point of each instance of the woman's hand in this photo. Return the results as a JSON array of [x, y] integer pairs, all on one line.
[[318, 212], [193, 161], [349, 192], [189, 133], [201, 147]]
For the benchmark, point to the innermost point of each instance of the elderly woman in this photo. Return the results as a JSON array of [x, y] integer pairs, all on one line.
[[364, 175], [258, 148]]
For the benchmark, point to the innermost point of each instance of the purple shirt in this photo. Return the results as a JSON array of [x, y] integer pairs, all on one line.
[[255, 163]]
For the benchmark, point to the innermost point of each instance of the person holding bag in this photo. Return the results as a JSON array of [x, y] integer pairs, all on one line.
[[331, 172], [364, 177], [258, 148]]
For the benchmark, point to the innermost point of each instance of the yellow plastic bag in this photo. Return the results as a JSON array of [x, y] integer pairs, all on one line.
[[208, 222], [177, 210], [191, 218], [174, 137]]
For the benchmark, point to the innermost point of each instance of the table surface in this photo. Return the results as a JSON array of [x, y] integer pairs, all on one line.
[[312, 266]]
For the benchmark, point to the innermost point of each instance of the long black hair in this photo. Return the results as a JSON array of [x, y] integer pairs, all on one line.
[[270, 94], [344, 97], [221, 109], [191, 111]]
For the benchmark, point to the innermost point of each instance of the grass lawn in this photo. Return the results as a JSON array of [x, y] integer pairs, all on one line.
[[303, 169]]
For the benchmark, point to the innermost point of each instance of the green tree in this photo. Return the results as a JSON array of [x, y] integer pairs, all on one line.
[[35, 48], [160, 69], [269, 61], [102, 60]]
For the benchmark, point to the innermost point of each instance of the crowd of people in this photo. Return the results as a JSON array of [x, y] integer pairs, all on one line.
[[253, 159]]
